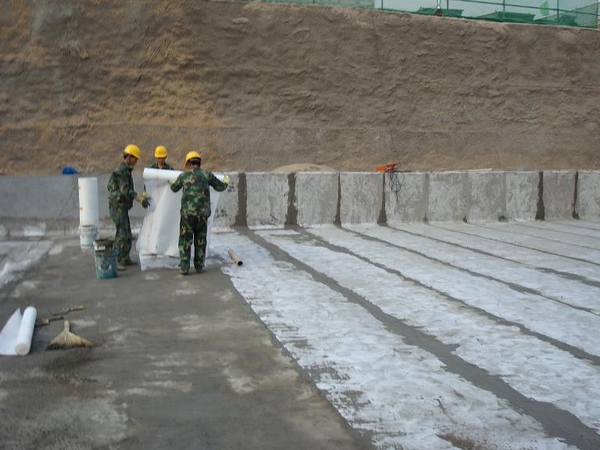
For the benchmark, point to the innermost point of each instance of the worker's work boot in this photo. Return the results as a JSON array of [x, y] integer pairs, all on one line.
[[120, 266], [182, 271]]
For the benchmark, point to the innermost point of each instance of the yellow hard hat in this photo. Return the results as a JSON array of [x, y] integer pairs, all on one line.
[[192, 155], [133, 150], [160, 152]]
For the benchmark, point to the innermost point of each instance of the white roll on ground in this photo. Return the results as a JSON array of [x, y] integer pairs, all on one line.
[[17, 334], [88, 201], [25, 334]]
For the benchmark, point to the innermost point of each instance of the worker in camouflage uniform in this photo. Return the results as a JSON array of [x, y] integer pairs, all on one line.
[[195, 210], [161, 159], [121, 195]]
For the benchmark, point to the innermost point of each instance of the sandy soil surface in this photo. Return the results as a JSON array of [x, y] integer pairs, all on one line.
[[255, 87]]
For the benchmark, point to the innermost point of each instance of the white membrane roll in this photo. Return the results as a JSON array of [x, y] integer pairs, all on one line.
[[157, 243], [25, 334], [158, 174], [88, 201], [8, 335]]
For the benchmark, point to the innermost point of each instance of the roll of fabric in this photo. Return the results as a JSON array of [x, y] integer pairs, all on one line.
[[25, 334], [157, 243], [17, 334]]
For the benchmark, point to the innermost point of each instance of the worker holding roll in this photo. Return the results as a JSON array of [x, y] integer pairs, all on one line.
[[195, 210], [161, 159], [121, 195]]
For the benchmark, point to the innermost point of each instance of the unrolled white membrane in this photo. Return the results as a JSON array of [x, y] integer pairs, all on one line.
[[17, 334], [157, 243]]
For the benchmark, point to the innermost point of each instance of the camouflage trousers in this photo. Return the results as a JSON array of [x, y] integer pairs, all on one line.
[[123, 239], [192, 230]]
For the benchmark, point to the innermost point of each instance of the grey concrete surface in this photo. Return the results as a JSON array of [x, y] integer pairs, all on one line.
[[197, 362], [493, 329], [178, 362]]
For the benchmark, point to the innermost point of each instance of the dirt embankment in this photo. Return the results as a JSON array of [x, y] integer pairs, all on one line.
[[257, 86]]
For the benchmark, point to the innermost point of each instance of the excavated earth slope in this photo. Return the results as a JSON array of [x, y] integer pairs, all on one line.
[[258, 86]]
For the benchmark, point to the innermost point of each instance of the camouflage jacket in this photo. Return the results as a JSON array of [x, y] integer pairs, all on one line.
[[195, 199], [167, 166], [120, 187]]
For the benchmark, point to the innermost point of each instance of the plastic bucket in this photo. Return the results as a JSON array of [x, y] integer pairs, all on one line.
[[87, 235], [106, 264], [103, 245]]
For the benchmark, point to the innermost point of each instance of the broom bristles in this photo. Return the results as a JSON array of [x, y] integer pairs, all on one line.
[[66, 340]]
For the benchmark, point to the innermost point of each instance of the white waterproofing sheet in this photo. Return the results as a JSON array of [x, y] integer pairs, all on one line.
[[16, 336], [157, 243]]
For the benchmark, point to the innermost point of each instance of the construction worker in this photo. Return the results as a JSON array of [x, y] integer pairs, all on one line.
[[161, 159], [121, 195], [195, 210]]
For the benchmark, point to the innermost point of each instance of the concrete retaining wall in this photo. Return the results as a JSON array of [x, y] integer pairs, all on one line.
[[36, 205]]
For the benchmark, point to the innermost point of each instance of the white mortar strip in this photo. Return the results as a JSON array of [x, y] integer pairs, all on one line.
[[499, 349], [587, 245], [577, 227], [399, 393], [19, 256], [532, 242], [576, 328], [586, 224], [456, 234], [549, 285]]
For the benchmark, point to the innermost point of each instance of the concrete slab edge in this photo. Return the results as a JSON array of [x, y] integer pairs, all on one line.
[[40, 205]]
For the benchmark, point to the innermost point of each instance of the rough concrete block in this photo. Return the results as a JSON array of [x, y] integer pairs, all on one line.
[[448, 196], [267, 198], [521, 192], [361, 197], [559, 194], [405, 197], [588, 195], [486, 200], [49, 198], [228, 207], [316, 198]]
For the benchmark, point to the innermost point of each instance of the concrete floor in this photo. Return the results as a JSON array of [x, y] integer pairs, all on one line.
[[416, 337]]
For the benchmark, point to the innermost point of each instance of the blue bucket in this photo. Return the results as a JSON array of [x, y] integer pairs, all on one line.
[[106, 264]]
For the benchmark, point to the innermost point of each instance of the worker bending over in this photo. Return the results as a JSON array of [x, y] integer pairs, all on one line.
[[195, 210]]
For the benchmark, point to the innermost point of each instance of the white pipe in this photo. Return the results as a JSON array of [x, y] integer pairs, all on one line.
[[88, 201], [236, 259]]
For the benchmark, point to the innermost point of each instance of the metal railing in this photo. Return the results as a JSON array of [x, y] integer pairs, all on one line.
[[574, 13]]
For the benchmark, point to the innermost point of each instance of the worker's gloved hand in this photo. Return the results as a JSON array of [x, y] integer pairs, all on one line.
[[170, 182], [226, 180], [143, 199]]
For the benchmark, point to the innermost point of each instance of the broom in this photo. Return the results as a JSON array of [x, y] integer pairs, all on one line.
[[66, 340]]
